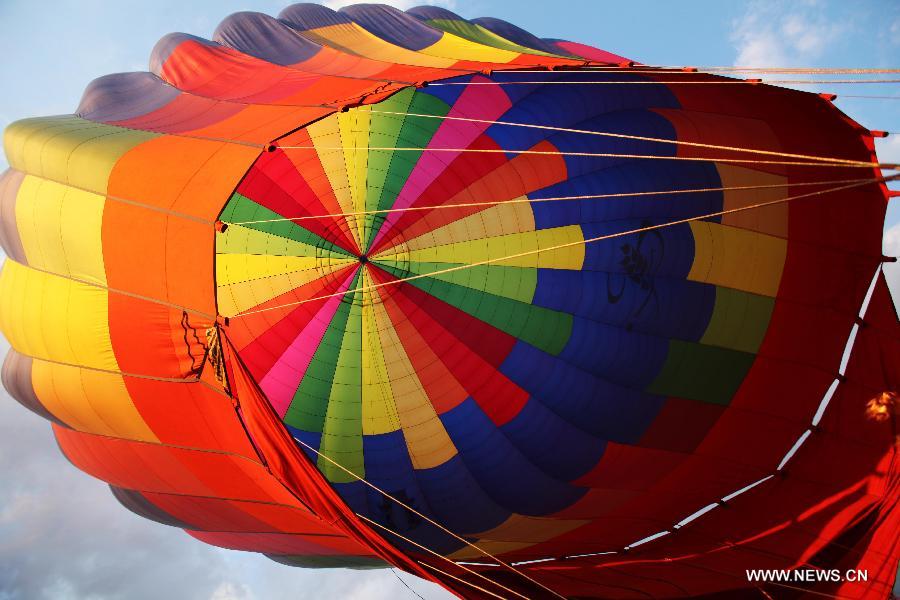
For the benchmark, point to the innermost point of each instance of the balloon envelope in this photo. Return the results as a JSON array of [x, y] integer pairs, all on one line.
[[368, 287]]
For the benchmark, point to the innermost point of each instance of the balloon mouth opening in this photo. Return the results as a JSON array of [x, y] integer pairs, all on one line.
[[363, 259]]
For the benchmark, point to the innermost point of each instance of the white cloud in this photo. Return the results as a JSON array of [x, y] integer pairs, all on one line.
[[228, 590], [401, 4], [888, 149], [772, 34]]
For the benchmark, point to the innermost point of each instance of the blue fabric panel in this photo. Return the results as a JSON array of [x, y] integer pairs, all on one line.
[[559, 448], [600, 407], [643, 302], [502, 470]]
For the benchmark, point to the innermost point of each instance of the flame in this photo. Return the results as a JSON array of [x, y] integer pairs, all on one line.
[[883, 406]]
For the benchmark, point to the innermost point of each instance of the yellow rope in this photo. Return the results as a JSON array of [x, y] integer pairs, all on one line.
[[570, 244], [423, 516], [552, 199], [837, 163], [624, 136]]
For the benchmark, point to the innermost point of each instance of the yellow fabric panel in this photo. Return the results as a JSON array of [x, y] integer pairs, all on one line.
[[238, 239], [488, 546], [424, 433], [477, 250], [235, 268], [379, 409], [69, 149], [502, 219], [354, 128], [532, 530], [326, 137], [455, 47], [53, 318], [737, 258], [349, 37], [90, 401], [234, 298], [771, 219], [60, 229]]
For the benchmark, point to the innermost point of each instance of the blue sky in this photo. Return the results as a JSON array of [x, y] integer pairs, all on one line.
[[62, 535]]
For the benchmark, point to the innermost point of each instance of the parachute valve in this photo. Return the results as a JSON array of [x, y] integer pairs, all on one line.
[[829, 97]]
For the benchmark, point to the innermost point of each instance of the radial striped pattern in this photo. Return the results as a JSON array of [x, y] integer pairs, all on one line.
[[303, 289]]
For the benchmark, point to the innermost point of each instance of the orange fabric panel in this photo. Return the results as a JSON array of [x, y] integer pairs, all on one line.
[[189, 414], [167, 469], [280, 543]]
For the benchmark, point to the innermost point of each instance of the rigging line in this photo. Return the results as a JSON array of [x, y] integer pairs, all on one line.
[[554, 199], [459, 579], [570, 244], [444, 558], [860, 164], [112, 371], [702, 82], [100, 286], [847, 351], [620, 136], [423, 516], [406, 585]]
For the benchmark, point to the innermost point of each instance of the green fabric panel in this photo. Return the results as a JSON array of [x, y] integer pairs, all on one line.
[[478, 34], [342, 433], [739, 320], [310, 404], [384, 131], [697, 372], [240, 208], [546, 329], [515, 283], [343, 561], [416, 132]]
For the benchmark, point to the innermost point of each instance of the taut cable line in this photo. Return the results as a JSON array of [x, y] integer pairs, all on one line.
[[384, 211], [571, 244], [431, 521], [836, 163], [626, 136]]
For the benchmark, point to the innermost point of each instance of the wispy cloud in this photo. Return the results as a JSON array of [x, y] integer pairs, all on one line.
[[771, 34]]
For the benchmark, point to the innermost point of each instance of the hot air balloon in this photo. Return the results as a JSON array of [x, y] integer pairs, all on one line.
[[520, 316]]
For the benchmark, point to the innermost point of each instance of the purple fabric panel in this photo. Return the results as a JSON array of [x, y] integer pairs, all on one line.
[[516, 34], [427, 13], [167, 44], [305, 16], [10, 241], [122, 96], [16, 378], [139, 505], [393, 25], [264, 37]]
